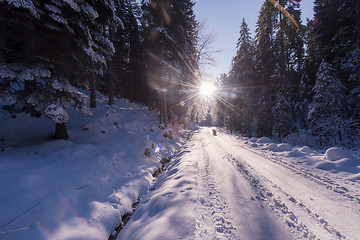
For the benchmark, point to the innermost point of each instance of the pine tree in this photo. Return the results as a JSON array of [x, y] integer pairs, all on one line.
[[59, 47], [308, 72], [289, 57], [265, 65], [351, 65], [241, 81], [328, 109], [337, 33], [282, 112], [171, 46]]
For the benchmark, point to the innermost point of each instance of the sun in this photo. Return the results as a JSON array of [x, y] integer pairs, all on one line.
[[207, 89]]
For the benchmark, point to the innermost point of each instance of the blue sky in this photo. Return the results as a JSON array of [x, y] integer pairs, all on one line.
[[225, 17]]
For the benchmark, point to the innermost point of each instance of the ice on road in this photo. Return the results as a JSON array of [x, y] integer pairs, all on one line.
[[217, 188]]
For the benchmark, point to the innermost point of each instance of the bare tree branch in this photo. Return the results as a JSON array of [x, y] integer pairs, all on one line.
[[204, 44], [20, 215]]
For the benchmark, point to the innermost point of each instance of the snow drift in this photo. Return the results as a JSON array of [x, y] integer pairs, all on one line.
[[80, 188]]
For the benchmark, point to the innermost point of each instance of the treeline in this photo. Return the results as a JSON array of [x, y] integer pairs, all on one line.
[[50, 49], [291, 80]]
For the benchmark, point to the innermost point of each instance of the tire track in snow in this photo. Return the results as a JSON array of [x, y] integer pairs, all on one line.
[[320, 180], [212, 221], [277, 205]]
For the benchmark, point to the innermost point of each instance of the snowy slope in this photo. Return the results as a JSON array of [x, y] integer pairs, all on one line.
[[229, 187], [80, 188], [216, 187], [334, 162]]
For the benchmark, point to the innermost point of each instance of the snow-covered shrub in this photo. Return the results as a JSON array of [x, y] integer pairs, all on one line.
[[254, 139], [193, 126], [272, 146], [299, 138], [280, 147], [282, 109], [306, 149], [264, 140], [336, 153]]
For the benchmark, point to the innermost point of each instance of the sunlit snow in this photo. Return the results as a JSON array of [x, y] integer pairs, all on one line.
[[207, 89]]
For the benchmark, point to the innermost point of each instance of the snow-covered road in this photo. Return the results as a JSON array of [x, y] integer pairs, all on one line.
[[218, 188]]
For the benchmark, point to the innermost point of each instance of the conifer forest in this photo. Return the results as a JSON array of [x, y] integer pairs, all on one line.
[[291, 79]]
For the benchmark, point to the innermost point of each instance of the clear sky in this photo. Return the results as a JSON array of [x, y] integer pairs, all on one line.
[[225, 17]]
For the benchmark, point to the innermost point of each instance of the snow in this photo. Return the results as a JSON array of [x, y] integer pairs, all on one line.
[[220, 187], [11, 71], [73, 5], [264, 140], [80, 188], [335, 153], [58, 18], [56, 113], [63, 86], [89, 10], [193, 126], [334, 160], [306, 149], [95, 56], [282, 147], [187, 203], [52, 8], [5, 72], [32, 73], [215, 187], [27, 4]]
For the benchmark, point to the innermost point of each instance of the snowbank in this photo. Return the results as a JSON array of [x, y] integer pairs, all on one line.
[[80, 188], [335, 153], [264, 140], [341, 162]]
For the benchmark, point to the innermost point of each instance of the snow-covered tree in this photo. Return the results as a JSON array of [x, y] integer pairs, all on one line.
[[265, 66], [282, 112], [328, 110], [351, 65], [170, 28], [50, 48], [242, 83]]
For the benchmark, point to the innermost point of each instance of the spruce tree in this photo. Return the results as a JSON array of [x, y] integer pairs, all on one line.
[[328, 111], [62, 45], [242, 81], [171, 49], [337, 34], [265, 65]]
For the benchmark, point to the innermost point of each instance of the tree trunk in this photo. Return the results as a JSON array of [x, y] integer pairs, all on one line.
[[2, 37], [29, 43], [358, 31], [61, 131], [282, 48], [111, 83], [358, 23], [165, 117], [93, 92], [29, 55], [111, 90]]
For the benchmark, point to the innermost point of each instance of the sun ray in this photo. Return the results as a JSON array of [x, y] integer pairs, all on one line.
[[286, 13], [207, 89]]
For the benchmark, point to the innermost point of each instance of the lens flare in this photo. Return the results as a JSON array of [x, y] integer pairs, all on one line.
[[157, 149], [207, 89], [68, 204], [44, 231], [283, 10]]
